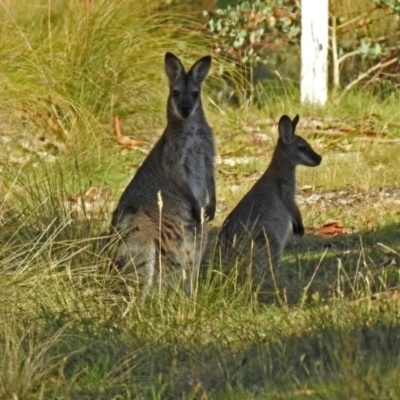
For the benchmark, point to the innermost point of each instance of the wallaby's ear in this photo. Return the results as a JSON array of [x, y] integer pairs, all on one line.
[[173, 67], [200, 69], [295, 121], [286, 129]]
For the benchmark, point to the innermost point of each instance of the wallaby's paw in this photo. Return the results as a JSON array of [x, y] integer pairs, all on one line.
[[298, 230], [210, 211], [196, 213]]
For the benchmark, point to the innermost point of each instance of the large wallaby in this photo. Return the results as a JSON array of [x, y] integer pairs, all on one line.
[[261, 220], [160, 216]]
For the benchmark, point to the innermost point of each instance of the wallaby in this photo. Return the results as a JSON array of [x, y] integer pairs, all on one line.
[[261, 220], [160, 216]]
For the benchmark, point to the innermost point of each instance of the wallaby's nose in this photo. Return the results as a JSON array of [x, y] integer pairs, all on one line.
[[185, 112], [318, 159]]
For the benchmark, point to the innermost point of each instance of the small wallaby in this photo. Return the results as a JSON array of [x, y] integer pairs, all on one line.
[[160, 215], [262, 218]]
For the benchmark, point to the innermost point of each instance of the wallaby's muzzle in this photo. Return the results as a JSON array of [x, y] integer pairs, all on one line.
[[314, 158], [318, 159], [185, 112]]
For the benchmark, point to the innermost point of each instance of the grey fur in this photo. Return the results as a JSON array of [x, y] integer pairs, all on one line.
[[180, 169], [260, 223]]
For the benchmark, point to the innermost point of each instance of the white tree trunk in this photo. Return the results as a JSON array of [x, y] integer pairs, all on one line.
[[314, 51]]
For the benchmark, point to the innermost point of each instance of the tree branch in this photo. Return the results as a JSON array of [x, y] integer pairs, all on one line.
[[353, 20], [335, 61], [367, 73], [347, 55], [355, 52]]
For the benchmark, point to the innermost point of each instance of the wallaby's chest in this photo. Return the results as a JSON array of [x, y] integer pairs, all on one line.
[[188, 150], [286, 188], [187, 157]]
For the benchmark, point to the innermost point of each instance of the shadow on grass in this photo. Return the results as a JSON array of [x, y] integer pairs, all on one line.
[[316, 267], [349, 265], [328, 361]]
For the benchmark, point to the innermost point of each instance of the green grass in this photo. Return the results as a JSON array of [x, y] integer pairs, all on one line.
[[69, 329]]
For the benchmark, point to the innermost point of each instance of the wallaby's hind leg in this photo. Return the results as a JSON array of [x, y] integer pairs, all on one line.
[[137, 252], [193, 259], [183, 258], [269, 249], [139, 256], [267, 253]]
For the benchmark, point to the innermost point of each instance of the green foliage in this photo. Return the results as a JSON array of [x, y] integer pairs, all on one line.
[[246, 30], [363, 40], [364, 44], [364, 23], [393, 5]]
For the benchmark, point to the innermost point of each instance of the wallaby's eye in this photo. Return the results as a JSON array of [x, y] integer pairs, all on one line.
[[302, 148], [195, 94], [175, 93]]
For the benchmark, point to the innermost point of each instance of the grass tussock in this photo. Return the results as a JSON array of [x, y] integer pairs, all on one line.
[[70, 329], [75, 67]]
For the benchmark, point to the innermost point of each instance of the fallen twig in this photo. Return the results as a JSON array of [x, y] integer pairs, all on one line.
[[126, 141]]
